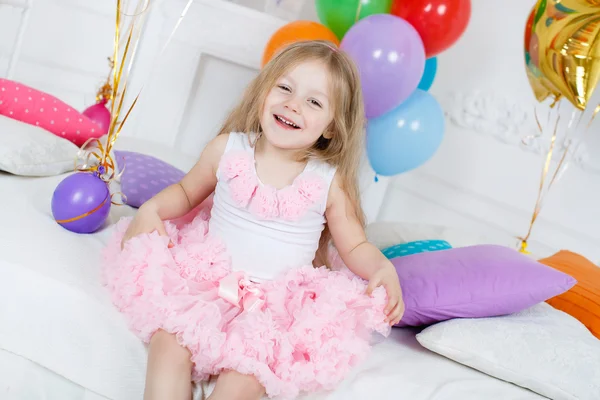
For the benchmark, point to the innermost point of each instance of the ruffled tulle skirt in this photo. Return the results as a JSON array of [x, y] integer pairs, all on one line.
[[302, 332]]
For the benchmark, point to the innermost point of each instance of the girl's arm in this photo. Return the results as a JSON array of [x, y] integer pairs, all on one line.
[[360, 256], [178, 199], [349, 237]]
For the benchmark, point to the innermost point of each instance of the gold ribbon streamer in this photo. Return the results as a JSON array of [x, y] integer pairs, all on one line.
[[537, 208], [358, 9], [562, 163], [94, 156], [94, 161], [118, 97]]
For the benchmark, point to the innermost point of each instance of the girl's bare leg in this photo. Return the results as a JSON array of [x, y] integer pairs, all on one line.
[[169, 372], [232, 385]]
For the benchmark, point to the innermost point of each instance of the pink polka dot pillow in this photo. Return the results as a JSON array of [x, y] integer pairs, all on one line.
[[144, 176], [34, 107]]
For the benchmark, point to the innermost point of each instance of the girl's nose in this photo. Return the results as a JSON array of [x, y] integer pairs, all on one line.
[[293, 106]]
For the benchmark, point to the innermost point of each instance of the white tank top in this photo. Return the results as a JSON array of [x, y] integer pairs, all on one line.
[[267, 230]]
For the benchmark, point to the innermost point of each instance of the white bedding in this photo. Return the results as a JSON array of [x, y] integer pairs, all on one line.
[[56, 317]]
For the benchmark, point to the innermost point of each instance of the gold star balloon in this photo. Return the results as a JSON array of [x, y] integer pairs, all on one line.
[[562, 49]]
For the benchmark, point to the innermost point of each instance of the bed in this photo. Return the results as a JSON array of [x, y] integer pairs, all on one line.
[[60, 338]]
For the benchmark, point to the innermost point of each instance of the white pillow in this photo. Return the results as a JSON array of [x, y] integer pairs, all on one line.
[[32, 151], [385, 234], [541, 349]]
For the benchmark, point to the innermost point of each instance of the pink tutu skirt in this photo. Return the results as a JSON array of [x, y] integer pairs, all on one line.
[[302, 332]]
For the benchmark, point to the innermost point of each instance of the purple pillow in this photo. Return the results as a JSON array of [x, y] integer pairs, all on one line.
[[144, 176], [473, 282]]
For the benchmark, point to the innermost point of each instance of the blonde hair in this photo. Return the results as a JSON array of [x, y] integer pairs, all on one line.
[[346, 131]]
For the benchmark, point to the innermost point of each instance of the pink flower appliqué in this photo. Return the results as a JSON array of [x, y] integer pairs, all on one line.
[[243, 188], [292, 204], [265, 204], [264, 201], [311, 186], [236, 163]]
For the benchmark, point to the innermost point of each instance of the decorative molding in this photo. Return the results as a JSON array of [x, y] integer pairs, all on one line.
[[508, 122]]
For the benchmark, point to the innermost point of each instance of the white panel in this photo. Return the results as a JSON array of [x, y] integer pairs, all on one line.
[[64, 47], [205, 111], [12, 17], [213, 55]]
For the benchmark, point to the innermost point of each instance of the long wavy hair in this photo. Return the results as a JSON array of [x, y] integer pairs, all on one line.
[[346, 131]]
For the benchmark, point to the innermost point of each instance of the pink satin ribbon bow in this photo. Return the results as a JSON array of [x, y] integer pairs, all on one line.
[[237, 289]]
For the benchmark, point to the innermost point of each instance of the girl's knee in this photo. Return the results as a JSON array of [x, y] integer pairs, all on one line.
[[165, 346], [232, 385]]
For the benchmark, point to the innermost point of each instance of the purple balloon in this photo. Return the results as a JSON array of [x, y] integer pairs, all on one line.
[[77, 195], [390, 57]]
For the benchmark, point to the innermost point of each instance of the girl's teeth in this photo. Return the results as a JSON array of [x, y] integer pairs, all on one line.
[[287, 122]]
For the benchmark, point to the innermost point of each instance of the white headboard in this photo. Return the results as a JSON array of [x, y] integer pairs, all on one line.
[[214, 54]]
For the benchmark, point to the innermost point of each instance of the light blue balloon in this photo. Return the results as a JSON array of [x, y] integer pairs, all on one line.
[[429, 74], [406, 137]]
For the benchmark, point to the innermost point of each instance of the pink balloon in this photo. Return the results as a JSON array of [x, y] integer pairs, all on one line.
[[100, 115], [390, 56]]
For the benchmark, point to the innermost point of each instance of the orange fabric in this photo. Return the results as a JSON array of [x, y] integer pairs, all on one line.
[[582, 301]]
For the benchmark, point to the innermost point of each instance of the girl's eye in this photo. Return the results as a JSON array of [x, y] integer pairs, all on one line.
[[316, 103], [284, 88]]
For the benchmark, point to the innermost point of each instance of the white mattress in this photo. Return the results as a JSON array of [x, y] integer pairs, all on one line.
[[60, 338]]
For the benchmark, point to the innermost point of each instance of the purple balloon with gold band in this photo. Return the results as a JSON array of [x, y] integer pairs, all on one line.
[[81, 202]]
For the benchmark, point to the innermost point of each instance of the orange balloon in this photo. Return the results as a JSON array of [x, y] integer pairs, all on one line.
[[295, 32]]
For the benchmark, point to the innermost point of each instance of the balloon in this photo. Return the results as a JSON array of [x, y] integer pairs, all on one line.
[[563, 51], [99, 114], [390, 57], [439, 22], [81, 202], [528, 29], [340, 15], [295, 32], [406, 137], [429, 74]]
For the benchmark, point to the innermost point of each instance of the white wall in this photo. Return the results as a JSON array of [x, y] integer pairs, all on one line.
[[481, 179]]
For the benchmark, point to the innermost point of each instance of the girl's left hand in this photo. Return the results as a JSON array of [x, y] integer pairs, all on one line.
[[387, 277]]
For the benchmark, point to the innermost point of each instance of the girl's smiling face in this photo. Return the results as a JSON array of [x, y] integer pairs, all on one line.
[[298, 109]]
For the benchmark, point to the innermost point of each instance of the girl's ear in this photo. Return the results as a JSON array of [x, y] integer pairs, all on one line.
[[328, 133]]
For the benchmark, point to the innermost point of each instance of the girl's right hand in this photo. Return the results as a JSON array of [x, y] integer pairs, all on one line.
[[145, 221]]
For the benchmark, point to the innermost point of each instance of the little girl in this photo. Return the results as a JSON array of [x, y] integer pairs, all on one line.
[[225, 273]]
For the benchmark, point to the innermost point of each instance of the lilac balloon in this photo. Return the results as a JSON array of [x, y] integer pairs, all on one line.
[[77, 195], [390, 56], [99, 114]]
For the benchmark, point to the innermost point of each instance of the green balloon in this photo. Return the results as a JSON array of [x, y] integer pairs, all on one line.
[[340, 15]]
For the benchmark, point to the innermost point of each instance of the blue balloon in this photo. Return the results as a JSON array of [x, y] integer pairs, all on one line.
[[407, 136], [428, 74]]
